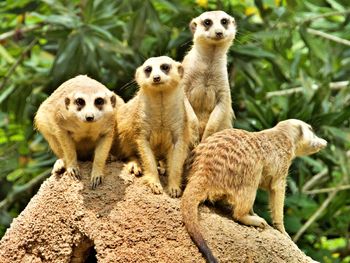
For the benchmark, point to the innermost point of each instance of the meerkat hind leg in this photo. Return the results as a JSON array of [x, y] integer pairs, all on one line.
[[134, 167], [243, 207]]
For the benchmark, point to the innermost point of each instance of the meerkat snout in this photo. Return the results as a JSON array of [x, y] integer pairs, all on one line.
[[159, 73], [307, 142], [89, 108], [156, 79], [213, 26]]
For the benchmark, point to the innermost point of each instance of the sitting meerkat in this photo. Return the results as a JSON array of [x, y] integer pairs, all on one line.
[[205, 71], [233, 164], [154, 124], [78, 122]]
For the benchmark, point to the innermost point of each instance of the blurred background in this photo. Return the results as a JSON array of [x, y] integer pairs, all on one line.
[[290, 59]]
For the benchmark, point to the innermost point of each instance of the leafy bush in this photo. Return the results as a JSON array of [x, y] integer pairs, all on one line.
[[291, 59]]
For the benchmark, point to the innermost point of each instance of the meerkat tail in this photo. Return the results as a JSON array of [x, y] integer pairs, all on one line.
[[192, 197]]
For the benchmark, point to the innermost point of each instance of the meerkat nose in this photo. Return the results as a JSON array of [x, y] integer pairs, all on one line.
[[323, 143], [156, 79], [89, 118], [219, 34]]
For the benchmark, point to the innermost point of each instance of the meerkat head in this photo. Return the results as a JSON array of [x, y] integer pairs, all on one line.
[[306, 142], [159, 74], [90, 100], [214, 27]]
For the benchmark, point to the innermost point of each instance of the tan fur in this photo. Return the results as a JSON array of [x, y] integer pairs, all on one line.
[[206, 80], [154, 125], [233, 164], [64, 125]]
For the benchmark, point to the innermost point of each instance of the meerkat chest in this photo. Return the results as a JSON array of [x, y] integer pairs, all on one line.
[[205, 83], [86, 133]]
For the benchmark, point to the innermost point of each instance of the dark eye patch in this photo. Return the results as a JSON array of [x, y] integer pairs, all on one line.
[[99, 102], [148, 70], [80, 103], [207, 23], [165, 68], [224, 22]]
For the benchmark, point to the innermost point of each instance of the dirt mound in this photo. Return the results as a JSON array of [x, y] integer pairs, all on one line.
[[122, 221]]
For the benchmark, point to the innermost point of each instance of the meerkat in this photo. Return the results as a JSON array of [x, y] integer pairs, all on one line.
[[78, 121], [232, 164], [154, 124], [206, 79]]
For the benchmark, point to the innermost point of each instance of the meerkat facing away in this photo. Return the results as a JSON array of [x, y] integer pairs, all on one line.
[[154, 124], [77, 121], [206, 79], [233, 164]]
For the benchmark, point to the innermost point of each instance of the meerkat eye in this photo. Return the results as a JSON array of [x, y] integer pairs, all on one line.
[[148, 69], [224, 21], [99, 101], [80, 102], [207, 22], [165, 67]]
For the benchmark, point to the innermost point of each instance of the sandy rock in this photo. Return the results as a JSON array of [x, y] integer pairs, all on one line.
[[124, 222]]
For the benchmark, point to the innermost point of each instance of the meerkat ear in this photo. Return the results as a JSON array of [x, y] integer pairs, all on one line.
[[137, 73], [233, 21], [113, 100], [193, 26], [66, 102], [180, 70], [300, 131]]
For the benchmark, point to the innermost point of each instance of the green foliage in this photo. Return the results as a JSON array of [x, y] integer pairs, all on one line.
[[285, 63]]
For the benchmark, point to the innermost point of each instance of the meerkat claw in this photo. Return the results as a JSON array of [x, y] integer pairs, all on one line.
[[95, 181], [74, 172], [134, 168], [175, 192]]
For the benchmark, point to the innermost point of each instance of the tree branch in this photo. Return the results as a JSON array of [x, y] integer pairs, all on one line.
[[333, 86], [18, 62], [313, 218], [26, 29], [327, 190], [314, 180], [19, 191], [328, 36], [336, 13]]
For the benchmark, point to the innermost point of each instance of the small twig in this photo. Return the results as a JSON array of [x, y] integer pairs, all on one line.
[[313, 218], [336, 13], [327, 190], [19, 191], [18, 61], [11, 33], [328, 36], [314, 180], [333, 86]]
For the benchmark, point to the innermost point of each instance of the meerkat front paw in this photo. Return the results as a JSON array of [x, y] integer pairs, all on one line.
[[156, 188], [280, 227], [58, 168], [133, 167], [174, 191], [96, 180], [154, 184], [74, 172]]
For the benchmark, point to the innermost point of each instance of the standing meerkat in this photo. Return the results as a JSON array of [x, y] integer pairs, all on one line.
[[154, 124], [233, 164], [206, 79], [78, 121]]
